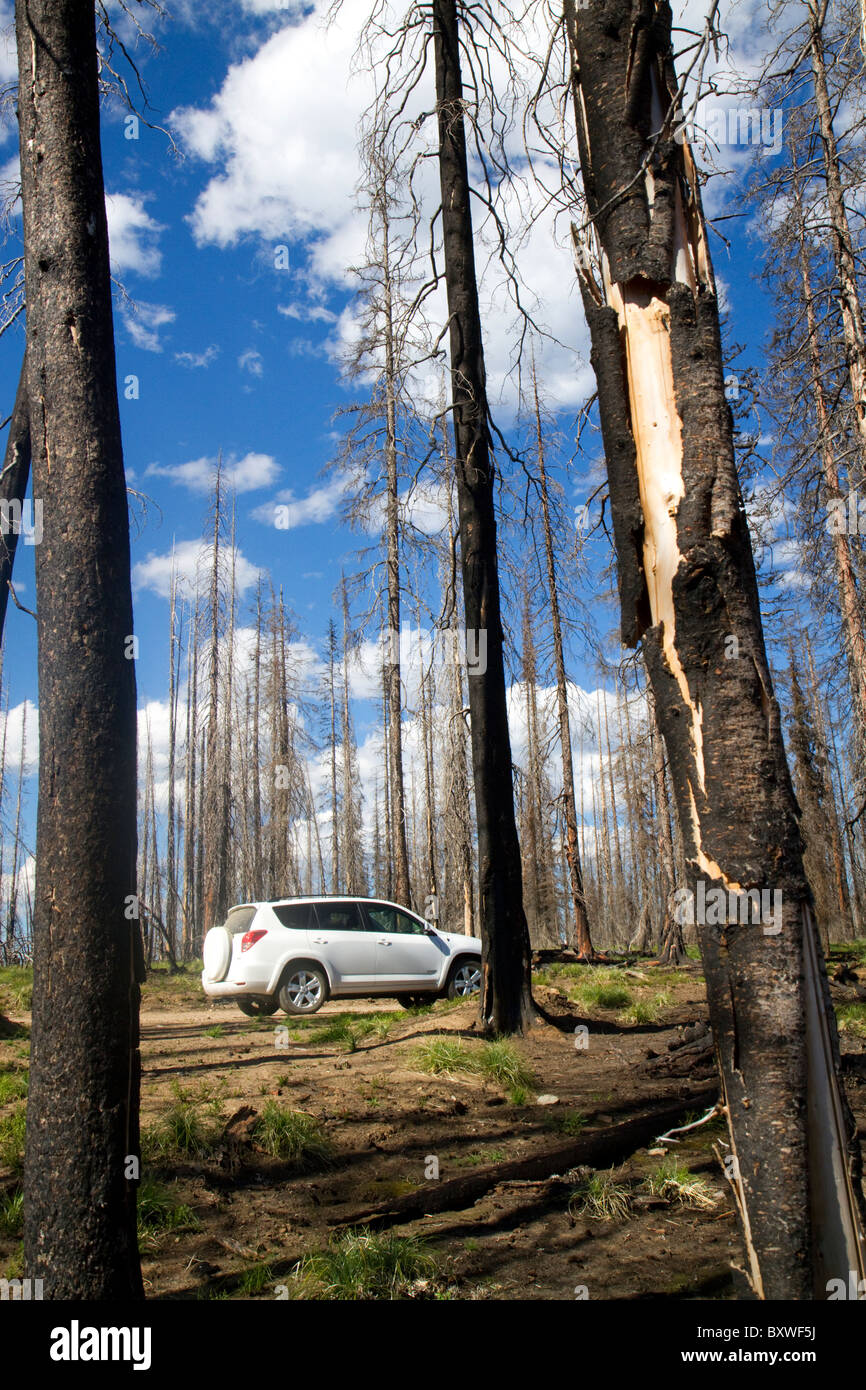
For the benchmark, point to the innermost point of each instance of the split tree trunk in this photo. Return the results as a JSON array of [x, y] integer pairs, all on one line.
[[505, 990], [82, 1122], [687, 585]]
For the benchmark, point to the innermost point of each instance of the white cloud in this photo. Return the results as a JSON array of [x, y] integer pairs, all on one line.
[[313, 313], [143, 322], [285, 511], [197, 359], [191, 561], [282, 131], [20, 727], [8, 55], [132, 235], [251, 361], [198, 475], [273, 7]]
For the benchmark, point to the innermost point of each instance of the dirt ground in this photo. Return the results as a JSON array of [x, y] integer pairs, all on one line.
[[485, 1175]]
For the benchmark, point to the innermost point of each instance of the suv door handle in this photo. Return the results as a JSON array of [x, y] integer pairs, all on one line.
[[383, 941], [320, 940]]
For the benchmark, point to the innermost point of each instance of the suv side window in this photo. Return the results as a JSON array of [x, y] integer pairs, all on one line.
[[389, 919], [339, 917], [294, 915]]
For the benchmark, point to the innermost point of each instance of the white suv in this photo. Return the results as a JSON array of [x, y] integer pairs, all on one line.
[[297, 953]]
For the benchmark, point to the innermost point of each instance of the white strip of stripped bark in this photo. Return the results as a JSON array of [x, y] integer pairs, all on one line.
[[644, 320]]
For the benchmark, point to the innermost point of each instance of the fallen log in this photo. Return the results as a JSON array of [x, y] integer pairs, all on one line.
[[596, 1149]]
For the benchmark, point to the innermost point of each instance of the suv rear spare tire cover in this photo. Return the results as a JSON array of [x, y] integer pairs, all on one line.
[[217, 953]]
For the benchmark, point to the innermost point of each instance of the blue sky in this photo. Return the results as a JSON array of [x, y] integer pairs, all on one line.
[[235, 351]]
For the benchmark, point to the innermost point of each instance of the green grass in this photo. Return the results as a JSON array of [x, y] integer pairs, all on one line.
[[159, 1213], [568, 1122], [476, 1157], [254, 1280], [16, 985], [646, 1010], [13, 1085], [676, 1184], [599, 987], [293, 1135], [502, 1063], [366, 1265], [347, 1032], [852, 1018], [12, 1213], [497, 1060], [191, 1124], [601, 1198], [12, 1139], [444, 1056]]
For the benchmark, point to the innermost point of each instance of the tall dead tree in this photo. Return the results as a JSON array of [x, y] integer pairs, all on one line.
[[687, 586], [82, 1119], [397, 843], [505, 990], [581, 939]]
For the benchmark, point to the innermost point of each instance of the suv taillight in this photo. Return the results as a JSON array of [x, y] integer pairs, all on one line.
[[250, 938]]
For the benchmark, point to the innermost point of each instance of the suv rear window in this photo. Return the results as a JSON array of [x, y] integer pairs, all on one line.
[[294, 915], [239, 919]]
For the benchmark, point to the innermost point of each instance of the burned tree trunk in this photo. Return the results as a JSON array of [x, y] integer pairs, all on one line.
[[82, 1122], [688, 590], [505, 991]]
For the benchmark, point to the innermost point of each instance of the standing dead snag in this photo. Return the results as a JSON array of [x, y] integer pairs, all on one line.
[[505, 989], [688, 589], [82, 1117]]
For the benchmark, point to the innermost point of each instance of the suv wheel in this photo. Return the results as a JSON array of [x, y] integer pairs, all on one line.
[[304, 990], [258, 1006], [465, 980]]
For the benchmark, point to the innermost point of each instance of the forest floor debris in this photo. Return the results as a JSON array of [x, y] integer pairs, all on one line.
[[285, 1157]]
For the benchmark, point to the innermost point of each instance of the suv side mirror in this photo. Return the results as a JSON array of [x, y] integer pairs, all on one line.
[[430, 928]]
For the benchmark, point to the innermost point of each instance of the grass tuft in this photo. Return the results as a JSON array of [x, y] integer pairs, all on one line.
[[444, 1056], [497, 1060], [601, 1198], [12, 1213], [14, 1085], [12, 1129], [293, 1135], [852, 1018], [191, 1124], [676, 1184], [366, 1265], [160, 1213]]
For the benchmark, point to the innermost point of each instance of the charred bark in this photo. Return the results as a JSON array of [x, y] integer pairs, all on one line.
[[505, 991], [82, 1124], [688, 589]]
